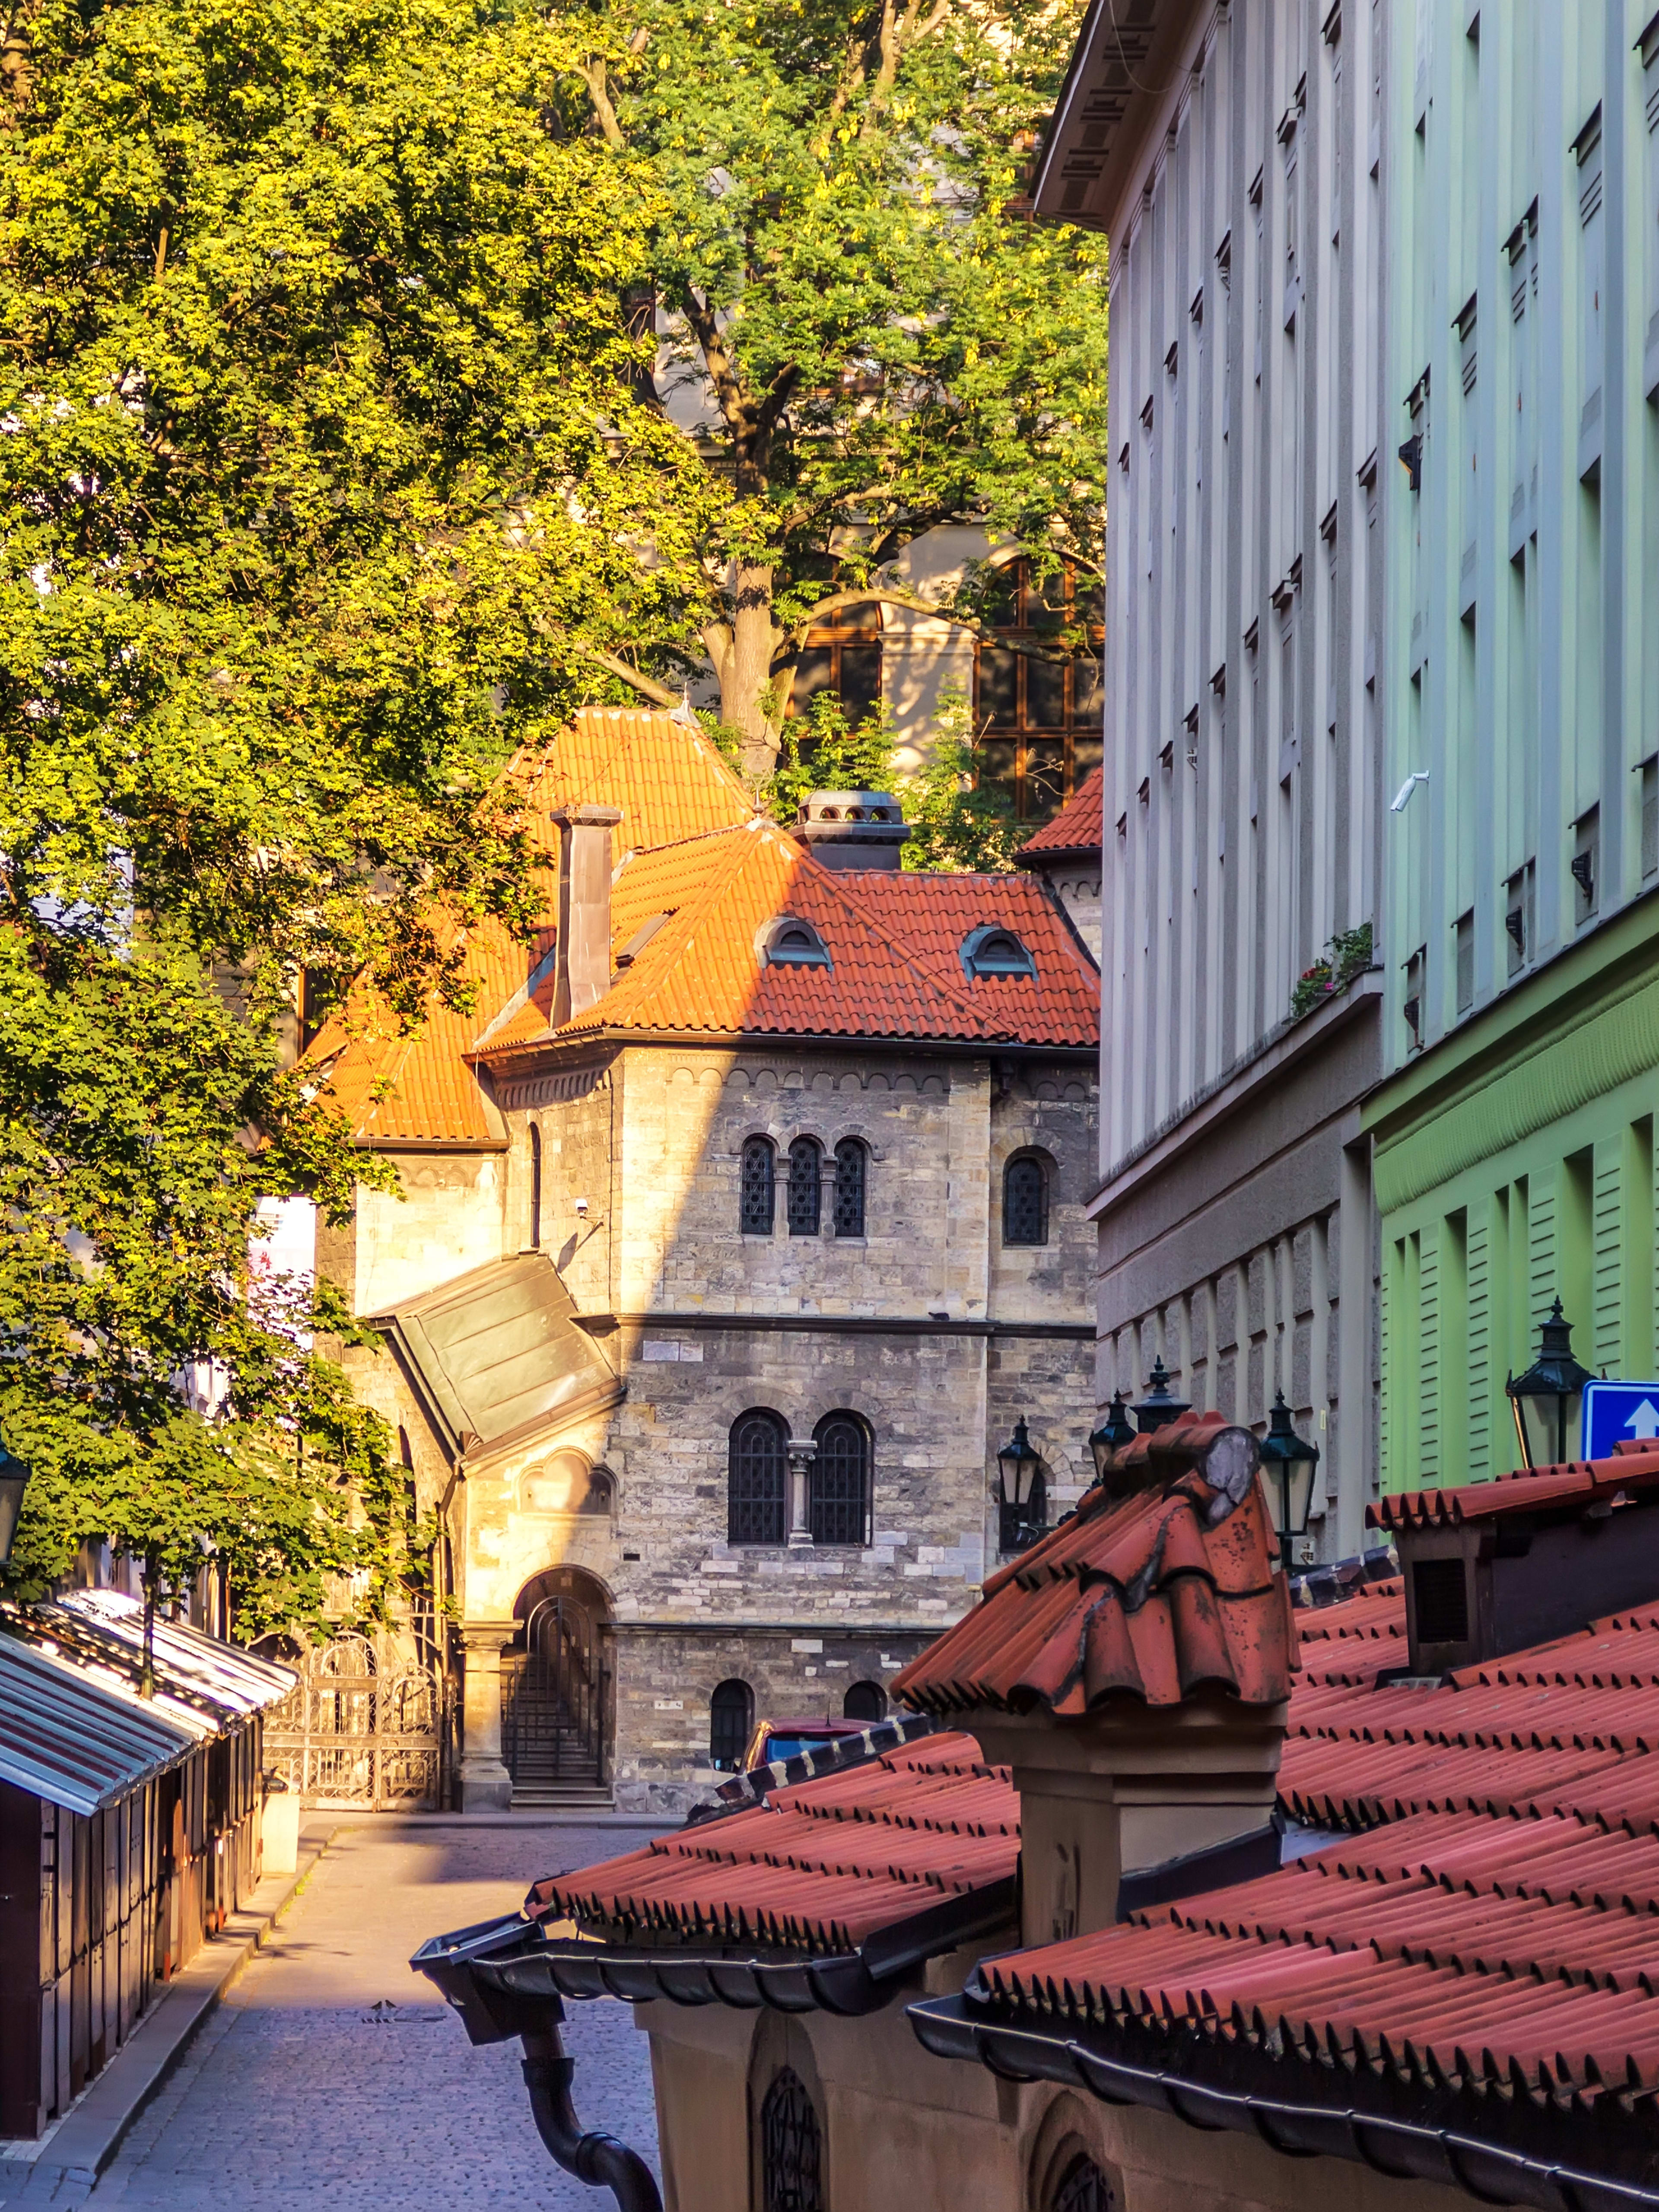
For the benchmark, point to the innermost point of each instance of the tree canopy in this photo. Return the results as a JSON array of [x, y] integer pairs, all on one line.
[[862, 339], [322, 476]]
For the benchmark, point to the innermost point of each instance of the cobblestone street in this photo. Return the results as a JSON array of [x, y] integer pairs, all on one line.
[[296, 2095]]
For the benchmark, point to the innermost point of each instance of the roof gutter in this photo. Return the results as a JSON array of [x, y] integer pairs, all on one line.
[[1399, 2148]]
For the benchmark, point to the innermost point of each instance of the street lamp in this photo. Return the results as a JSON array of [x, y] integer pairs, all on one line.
[[14, 1481], [1545, 1400], [1287, 1465], [1114, 1432], [1022, 1503], [1160, 1403]]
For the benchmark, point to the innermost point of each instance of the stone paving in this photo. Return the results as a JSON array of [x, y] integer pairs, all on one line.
[[296, 2094]]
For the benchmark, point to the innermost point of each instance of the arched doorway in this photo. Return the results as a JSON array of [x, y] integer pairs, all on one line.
[[555, 1688]]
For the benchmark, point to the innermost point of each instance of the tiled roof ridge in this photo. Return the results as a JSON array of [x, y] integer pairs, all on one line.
[[626, 734], [1084, 809], [1526, 1490]]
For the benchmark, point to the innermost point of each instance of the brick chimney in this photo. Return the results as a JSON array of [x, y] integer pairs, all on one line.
[[1493, 1567], [1134, 1669], [583, 962]]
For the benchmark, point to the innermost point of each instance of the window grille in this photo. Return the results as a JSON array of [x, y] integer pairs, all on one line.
[[1025, 1201], [757, 1480], [790, 2165], [806, 1180], [759, 1175], [535, 1237], [1083, 2188], [865, 1701], [850, 1160], [731, 1724], [838, 1491]]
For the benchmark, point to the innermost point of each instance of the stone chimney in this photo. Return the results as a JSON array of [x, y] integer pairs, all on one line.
[[851, 829], [1134, 1669], [583, 962], [1494, 1567]]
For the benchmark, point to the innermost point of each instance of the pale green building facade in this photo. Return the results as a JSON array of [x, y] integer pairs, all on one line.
[[1513, 1130]]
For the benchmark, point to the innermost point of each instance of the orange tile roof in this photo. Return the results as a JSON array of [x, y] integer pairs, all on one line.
[[1632, 1467], [1148, 1597], [689, 847], [1077, 827], [893, 940]]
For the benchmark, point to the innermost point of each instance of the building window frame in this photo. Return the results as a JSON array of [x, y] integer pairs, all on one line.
[[843, 656], [1027, 1191], [757, 1477], [851, 1186], [1040, 725], [804, 1201], [731, 1724], [839, 1486], [757, 1179]]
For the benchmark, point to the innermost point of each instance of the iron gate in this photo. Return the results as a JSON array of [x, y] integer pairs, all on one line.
[[363, 1727], [553, 1702]]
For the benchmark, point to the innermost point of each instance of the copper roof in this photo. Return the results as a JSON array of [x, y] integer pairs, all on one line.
[[1171, 1589], [1078, 826], [816, 1869]]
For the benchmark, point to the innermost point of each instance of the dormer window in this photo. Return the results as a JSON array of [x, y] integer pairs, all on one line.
[[787, 943], [989, 950]]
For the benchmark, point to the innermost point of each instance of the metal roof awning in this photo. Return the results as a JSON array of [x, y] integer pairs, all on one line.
[[217, 1679], [73, 1741], [497, 1353]]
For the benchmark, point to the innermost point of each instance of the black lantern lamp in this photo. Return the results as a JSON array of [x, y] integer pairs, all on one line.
[[1114, 1432], [1288, 1464], [1546, 1398], [1024, 1507], [14, 1481], [1160, 1403]]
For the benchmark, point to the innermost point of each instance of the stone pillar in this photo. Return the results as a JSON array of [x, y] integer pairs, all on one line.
[[802, 1451], [486, 1785]]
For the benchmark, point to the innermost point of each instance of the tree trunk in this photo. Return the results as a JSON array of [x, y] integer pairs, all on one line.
[[747, 671]]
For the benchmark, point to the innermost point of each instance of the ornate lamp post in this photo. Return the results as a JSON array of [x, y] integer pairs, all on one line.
[[1288, 1463], [1546, 1398], [1114, 1432], [14, 1481], [1022, 1503], [1160, 1403]]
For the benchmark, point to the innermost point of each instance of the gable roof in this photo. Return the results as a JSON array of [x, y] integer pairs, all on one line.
[[689, 847], [1077, 827], [893, 940]]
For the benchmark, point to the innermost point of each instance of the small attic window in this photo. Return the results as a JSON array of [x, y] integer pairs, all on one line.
[[989, 950], [788, 942]]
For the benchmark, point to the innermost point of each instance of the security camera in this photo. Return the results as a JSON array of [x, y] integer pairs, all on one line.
[[582, 1209]]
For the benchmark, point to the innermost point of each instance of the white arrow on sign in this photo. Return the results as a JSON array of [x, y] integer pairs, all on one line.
[[1644, 1421]]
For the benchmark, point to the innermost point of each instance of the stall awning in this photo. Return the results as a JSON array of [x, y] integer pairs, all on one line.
[[72, 1741]]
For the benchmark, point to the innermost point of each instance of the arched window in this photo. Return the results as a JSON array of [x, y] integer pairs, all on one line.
[[789, 942], [988, 950], [731, 1724], [865, 1701], [755, 1204], [1025, 1200], [838, 1490], [1082, 2188], [535, 1188], [758, 1479], [791, 2180], [851, 1160], [805, 1181]]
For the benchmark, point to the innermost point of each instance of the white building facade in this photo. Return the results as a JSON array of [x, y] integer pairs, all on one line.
[[1236, 157]]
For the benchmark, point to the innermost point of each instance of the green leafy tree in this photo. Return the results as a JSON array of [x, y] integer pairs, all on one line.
[[958, 826], [862, 339], [322, 479]]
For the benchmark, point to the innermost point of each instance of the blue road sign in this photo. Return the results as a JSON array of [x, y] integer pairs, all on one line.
[[1616, 1412]]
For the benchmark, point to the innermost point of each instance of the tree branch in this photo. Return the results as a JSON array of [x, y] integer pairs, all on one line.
[[718, 362], [789, 640], [647, 686], [593, 74]]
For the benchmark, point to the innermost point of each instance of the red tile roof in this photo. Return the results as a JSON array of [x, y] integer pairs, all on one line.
[[1526, 1491], [689, 846], [1489, 1926], [1077, 827], [1151, 1597], [893, 941], [818, 1868]]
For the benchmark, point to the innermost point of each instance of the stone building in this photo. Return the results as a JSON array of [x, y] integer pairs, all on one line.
[[1235, 156], [737, 1225]]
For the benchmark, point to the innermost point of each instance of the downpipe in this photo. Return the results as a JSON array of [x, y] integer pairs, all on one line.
[[597, 2159]]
